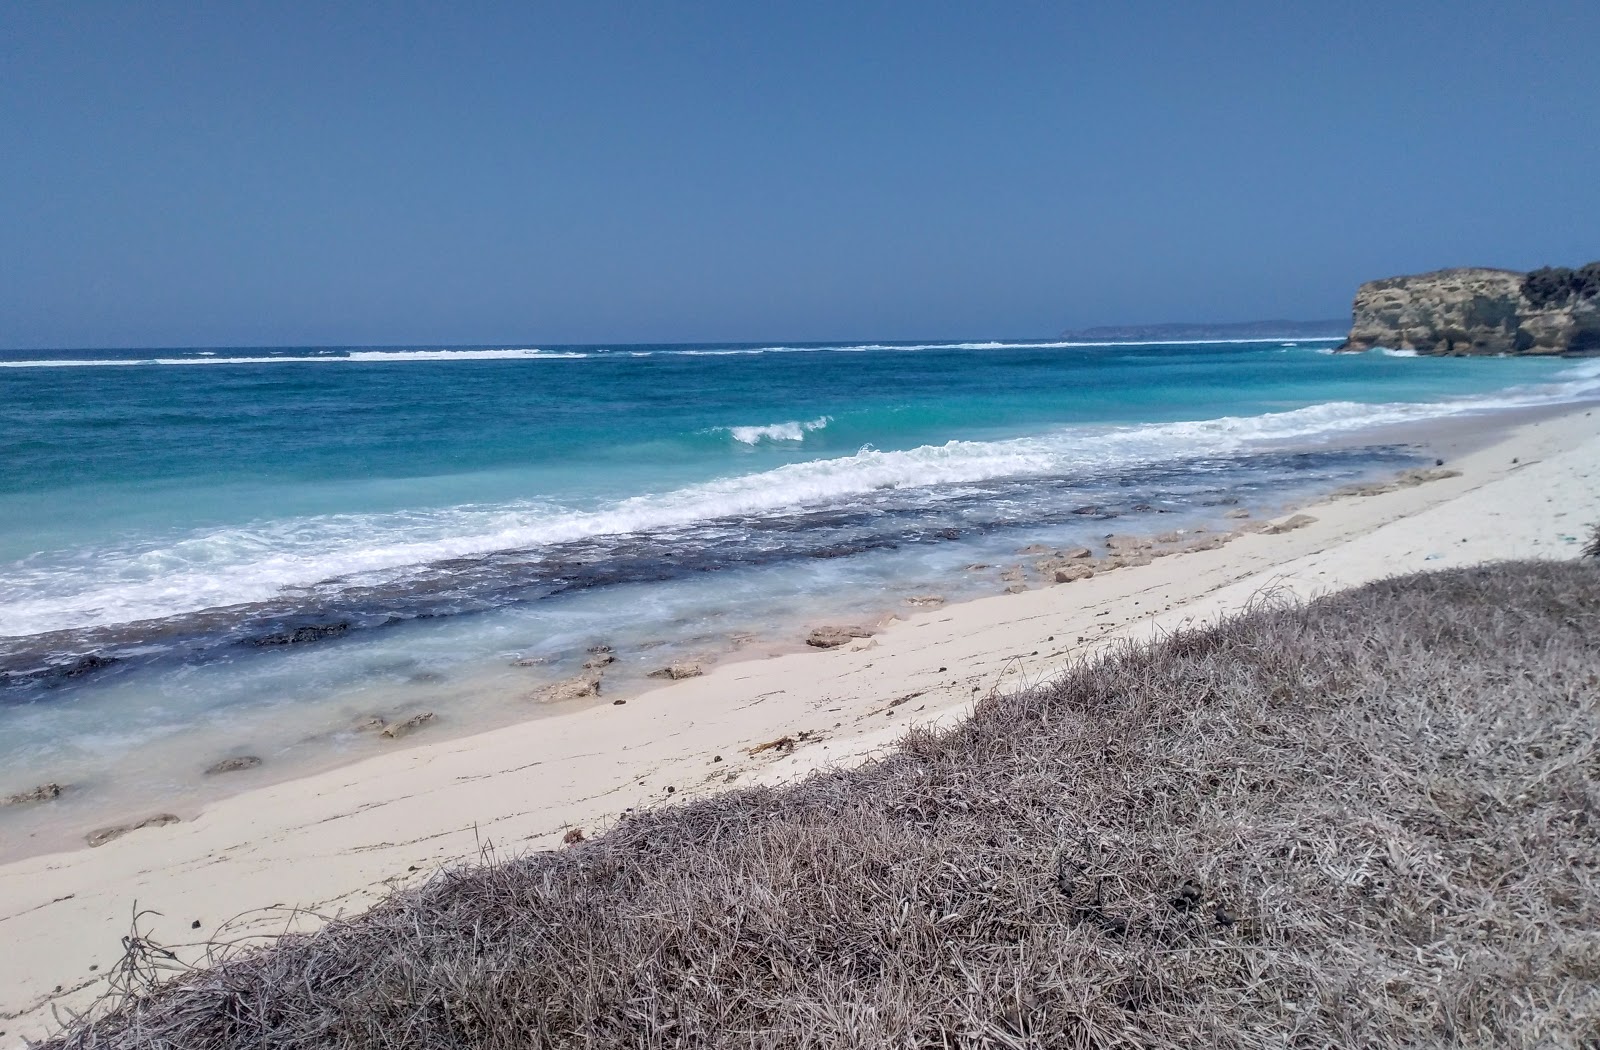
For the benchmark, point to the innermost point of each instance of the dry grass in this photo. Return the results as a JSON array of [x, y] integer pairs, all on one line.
[[1371, 821]]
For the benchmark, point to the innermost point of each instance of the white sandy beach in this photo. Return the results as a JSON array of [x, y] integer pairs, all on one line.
[[289, 855]]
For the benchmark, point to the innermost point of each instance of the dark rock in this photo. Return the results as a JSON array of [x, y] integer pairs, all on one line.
[[233, 765], [301, 635]]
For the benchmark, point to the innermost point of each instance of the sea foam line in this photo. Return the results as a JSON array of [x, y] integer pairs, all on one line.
[[266, 560]]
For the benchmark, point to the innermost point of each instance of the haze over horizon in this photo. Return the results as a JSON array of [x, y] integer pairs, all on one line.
[[293, 174]]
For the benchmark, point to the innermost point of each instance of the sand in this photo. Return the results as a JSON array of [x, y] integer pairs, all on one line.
[[291, 855]]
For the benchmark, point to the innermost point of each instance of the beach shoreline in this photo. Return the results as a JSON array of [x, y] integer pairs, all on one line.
[[290, 854]]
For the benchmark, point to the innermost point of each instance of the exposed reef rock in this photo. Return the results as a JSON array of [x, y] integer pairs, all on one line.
[[1480, 311]]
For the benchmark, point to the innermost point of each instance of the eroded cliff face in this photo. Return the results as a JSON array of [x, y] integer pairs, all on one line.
[[1480, 311]]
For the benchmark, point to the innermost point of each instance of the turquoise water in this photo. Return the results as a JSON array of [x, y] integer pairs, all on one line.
[[197, 537]]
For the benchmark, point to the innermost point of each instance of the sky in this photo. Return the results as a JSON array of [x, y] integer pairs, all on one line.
[[281, 173]]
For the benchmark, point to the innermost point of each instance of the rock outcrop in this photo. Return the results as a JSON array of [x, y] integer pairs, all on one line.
[[1480, 311]]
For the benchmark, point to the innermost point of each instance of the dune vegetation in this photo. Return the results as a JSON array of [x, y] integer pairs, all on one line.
[[1371, 820]]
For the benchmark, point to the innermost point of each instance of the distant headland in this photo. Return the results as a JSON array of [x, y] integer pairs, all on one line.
[[1476, 310], [1177, 333]]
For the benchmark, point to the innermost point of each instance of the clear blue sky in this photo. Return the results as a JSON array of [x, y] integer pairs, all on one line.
[[291, 173]]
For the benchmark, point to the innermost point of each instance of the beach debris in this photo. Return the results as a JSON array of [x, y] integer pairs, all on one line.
[[833, 636], [572, 837], [1072, 573], [396, 730], [677, 671], [782, 743], [925, 601], [1298, 521], [101, 836], [232, 765], [42, 793]]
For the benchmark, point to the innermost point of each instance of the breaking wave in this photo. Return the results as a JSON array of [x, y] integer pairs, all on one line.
[[269, 560], [791, 431]]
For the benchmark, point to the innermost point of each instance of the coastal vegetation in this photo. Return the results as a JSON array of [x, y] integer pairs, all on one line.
[[1370, 820], [1560, 285]]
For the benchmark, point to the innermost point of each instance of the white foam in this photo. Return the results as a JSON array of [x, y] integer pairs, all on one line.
[[361, 356], [790, 431], [269, 559]]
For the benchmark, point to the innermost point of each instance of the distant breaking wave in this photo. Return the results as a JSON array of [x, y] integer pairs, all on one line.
[[791, 431], [362, 356], [270, 560], [210, 357]]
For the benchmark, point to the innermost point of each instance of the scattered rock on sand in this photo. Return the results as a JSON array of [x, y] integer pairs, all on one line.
[[233, 765], [529, 661], [1016, 587], [1034, 548], [102, 836], [832, 637], [1404, 480], [1299, 521], [573, 688], [1170, 537], [396, 730], [925, 601], [1204, 543], [677, 671], [599, 660], [42, 793], [1128, 543], [370, 724], [1071, 573], [1237, 512]]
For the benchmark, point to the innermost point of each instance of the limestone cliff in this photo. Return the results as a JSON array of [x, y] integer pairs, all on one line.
[[1481, 311]]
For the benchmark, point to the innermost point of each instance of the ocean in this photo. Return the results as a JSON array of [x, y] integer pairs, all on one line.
[[207, 553]]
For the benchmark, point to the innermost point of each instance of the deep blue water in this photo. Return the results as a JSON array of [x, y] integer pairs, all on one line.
[[189, 533]]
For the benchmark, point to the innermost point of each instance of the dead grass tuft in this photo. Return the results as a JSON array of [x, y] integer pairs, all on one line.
[[1370, 821]]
